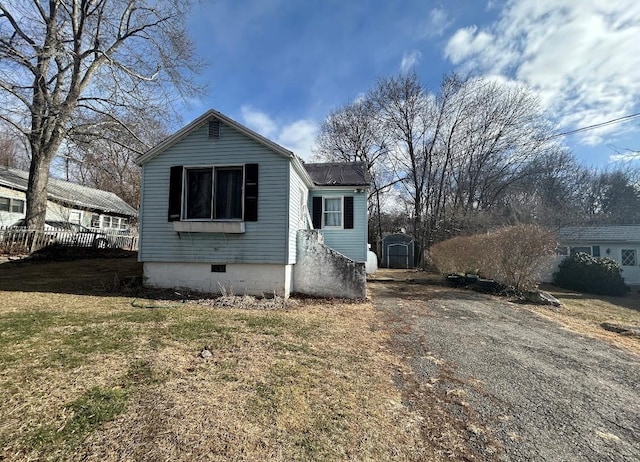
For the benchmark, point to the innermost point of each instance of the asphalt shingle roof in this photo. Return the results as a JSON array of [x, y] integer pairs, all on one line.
[[613, 233], [339, 174], [70, 193]]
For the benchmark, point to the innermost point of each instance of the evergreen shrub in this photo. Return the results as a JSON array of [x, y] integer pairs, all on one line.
[[584, 273]]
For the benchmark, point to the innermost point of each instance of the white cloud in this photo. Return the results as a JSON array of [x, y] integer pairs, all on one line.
[[580, 56], [625, 156], [258, 121], [466, 43], [409, 60], [298, 136], [438, 22]]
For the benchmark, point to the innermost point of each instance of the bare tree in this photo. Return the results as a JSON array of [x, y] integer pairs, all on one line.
[[352, 133], [106, 159], [12, 151], [461, 156], [70, 66]]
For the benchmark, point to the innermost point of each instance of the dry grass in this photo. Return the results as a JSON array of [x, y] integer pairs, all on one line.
[[585, 313], [88, 376]]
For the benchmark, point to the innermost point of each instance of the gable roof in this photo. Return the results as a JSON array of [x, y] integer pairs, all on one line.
[[212, 114], [70, 193], [612, 233], [339, 174]]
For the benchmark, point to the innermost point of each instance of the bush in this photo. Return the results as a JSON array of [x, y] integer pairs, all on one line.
[[514, 256], [584, 273]]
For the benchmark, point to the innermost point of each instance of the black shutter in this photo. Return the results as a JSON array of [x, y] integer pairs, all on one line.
[[251, 192], [175, 193], [348, 212], [317, 212]]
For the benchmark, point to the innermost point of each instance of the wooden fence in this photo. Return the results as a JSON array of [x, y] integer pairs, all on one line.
[[20, 240]]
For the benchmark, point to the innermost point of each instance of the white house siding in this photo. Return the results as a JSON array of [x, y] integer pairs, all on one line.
[[298, 193], [238, 279], [631, 274], [349, 242], [9, 218], [264, 241], [55, 211]]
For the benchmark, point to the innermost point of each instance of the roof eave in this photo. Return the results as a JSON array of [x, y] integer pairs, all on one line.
[[197, 123]]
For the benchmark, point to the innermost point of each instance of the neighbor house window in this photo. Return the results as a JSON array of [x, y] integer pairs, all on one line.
[[8, 204], [332, 212], [5, 204], [213, 193], [562, 250], [75, 217], [628, 257], [95, 221], [575, 250]]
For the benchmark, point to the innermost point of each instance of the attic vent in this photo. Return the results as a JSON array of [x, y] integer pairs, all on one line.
[[214, 129]]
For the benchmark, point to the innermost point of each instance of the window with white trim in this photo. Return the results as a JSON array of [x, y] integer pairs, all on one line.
[[95, 221], [213, 193], [75, 217], [628, 257], [332, 212], [9, 204]]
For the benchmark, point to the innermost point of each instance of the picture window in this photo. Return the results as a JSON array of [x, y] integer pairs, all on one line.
[[213, 193]]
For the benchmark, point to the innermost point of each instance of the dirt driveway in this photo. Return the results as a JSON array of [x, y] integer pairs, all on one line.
[[494, 381]]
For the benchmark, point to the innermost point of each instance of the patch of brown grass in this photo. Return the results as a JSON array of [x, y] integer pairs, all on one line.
[[585, 313], [309, 381]]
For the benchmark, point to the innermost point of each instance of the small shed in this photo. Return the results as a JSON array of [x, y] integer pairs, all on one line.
[[397, 251]]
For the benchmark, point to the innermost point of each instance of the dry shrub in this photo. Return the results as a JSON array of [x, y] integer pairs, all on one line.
[[515, 256], [458, 255]]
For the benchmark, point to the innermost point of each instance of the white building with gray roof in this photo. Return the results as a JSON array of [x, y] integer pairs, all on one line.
[[68, 202], [618, 242]]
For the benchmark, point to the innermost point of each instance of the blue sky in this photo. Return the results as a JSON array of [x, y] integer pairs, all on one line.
[[280, 66]]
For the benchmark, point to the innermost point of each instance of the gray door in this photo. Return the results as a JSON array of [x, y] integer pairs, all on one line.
[[398, 256]]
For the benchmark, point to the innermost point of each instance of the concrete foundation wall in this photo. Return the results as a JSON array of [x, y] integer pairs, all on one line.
[[321, 271], [241, 279]]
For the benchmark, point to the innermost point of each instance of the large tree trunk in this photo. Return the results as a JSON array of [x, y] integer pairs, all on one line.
[[37, 190]]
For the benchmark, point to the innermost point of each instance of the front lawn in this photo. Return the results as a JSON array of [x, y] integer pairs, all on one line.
[[91, 371]]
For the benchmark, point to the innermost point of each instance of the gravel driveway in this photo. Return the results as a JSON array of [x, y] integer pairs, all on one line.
[[494, 381]]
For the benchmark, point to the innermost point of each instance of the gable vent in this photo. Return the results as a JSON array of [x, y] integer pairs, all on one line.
[[214, 129]]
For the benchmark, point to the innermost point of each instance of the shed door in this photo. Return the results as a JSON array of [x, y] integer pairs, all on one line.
[[398, 256]]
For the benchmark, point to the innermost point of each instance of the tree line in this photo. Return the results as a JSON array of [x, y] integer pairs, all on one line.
[[471, 155]]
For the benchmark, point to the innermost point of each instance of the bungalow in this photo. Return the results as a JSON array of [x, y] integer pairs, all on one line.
[[225, 209], [620, 243], [67, 202]]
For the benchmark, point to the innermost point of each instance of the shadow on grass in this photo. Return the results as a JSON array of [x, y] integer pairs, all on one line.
[[108, 272], [631, 300]]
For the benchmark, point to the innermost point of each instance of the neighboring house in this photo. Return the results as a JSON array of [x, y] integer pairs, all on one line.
[[223, 208], [67, 202], [620, 243]]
